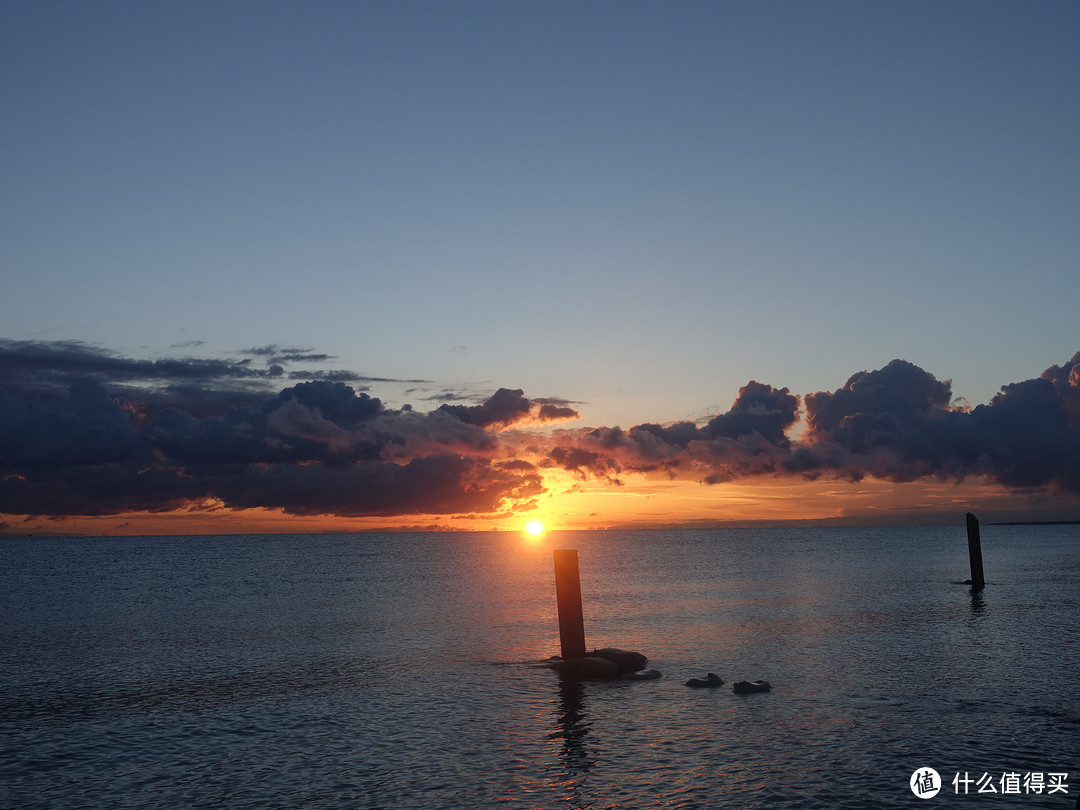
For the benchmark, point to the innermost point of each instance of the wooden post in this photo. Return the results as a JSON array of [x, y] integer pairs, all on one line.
[[975, 553], [568, 596]]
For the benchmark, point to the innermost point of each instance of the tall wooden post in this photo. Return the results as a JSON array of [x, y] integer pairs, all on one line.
[[975, 553], [568, 596]]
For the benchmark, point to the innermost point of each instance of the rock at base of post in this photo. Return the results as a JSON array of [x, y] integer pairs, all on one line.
[[606, 664], [625, 660], [588, 667]]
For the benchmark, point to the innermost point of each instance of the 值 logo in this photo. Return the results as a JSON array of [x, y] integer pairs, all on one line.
[[925, 783]]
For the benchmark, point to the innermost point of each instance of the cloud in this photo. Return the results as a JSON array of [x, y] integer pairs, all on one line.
[[315, 447], [87, 432], [282, 354], [441, 484], [555, 410], [508, 407], [897, 423], [44, 366], [199, 385], [748, 439], [84, 428], [1030, 432]]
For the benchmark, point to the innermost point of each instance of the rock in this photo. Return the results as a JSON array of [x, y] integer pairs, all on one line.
[[746, 687], [710, 681], [625, 660], [641, 675], [588, 668], [609, 662]]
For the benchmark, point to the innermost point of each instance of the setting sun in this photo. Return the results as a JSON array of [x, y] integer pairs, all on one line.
[[535, 528]]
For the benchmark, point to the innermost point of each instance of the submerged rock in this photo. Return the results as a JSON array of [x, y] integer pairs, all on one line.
[[710, 681], [641, 675], [746, 687]]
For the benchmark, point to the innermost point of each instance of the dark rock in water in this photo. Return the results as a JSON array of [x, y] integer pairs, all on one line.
[[710, 681], [641, 675], [609, 662], [625, 660], [588, 668], [746, 687]]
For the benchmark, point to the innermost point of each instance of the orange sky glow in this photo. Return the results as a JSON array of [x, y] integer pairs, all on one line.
[[571, 504]]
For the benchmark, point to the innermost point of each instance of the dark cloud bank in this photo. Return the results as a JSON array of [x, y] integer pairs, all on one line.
[[897, 423], [84, 432]]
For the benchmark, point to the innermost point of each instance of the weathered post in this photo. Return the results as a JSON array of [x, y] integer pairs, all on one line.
[[975, 553], [568, 596]]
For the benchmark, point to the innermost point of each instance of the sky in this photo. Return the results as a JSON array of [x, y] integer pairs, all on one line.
[[827, 251]]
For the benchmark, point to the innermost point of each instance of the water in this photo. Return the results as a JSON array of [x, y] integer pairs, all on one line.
[[402, 670]]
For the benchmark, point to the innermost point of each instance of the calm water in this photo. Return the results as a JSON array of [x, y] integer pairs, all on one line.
[[401, 671]]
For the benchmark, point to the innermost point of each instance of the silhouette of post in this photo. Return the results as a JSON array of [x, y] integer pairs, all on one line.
[[568, 596], [975, 553]]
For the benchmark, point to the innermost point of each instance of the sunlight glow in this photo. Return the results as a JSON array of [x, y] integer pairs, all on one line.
[[534, 528]]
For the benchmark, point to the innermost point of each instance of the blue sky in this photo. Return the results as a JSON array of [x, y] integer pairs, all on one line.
[[637, 207]]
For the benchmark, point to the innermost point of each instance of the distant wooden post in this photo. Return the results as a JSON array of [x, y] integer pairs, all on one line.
[[975, 553], [568, 596]]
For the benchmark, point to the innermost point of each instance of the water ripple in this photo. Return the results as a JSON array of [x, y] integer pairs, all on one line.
[[404, 672]]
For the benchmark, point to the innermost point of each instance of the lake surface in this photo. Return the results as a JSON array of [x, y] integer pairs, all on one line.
[[404, 670]]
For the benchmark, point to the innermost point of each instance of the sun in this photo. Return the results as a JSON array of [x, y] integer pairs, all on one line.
[[535, 528]]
